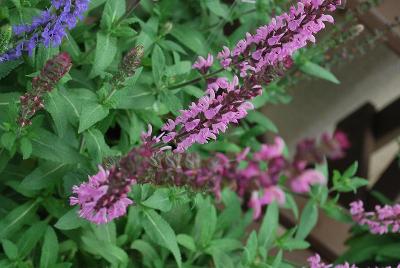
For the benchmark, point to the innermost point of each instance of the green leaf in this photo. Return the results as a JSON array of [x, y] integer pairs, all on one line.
[[291, 203], [25, 147], [157, 64], [113, 11], [318, 71], [351, 171], [261, 119], [145, 248], [179, 68], [191, 38], [45, 175], [161, 233], [57, 107], [172, 102], [91, 114], [133, 98], [269, 225], [278, 260], [194, 91], [27, 242], [48, 146], [49, 249], [250, 251], [224, 244], [186, 241], [97, 146], [113, 254], [205, 223], [10, 249], [16, 218], [106, 49], [8, 140], [7, 67], [159, 200], [218, 9], [308, 220], [221, 259], [70, 221], [295, 244]]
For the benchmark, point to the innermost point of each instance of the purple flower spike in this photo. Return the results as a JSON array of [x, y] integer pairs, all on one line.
[[383, 220], [316, 262], [49, 28], [203, 64], [303, 182], [100, 200]]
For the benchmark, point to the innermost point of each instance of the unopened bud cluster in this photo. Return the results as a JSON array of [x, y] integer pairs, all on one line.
[[32, 101]]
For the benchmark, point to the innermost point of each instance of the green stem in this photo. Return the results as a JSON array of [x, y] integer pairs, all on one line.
[[195, 80]]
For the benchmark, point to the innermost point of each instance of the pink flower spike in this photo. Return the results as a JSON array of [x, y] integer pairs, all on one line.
[[269, 151], [255, 204], [271, 194], [192, 124], [99, 200], [303, 182]]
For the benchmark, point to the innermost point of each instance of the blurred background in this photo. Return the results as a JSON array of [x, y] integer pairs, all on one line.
[[365, 105]]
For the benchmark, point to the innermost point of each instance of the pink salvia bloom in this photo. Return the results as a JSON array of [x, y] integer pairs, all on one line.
[[268, 152], [203, 64], [99, 201], [255, 204], [316, 262], [303, 182], [383, 220]]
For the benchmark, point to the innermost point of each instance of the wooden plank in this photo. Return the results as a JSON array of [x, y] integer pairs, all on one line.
[[358, 126]]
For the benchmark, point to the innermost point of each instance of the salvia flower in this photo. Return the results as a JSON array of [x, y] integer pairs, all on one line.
[[32, 101], [385, 219], [316, 262], [100, 199], [257, 59], [203, 64], [49, 28], [225, 103], [277, 41]]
